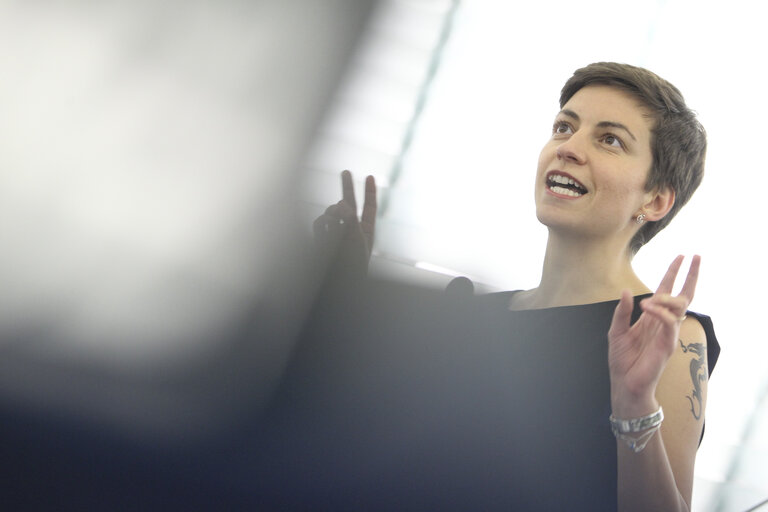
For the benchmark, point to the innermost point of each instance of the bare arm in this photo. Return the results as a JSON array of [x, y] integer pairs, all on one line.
[[661, 476], [659, 361]]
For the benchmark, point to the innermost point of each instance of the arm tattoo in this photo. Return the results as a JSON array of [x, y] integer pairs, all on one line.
[[698, 375]]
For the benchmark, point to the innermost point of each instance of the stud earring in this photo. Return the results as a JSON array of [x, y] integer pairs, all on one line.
[[640, 218]]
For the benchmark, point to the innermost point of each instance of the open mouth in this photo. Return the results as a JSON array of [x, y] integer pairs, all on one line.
[[565, 185]]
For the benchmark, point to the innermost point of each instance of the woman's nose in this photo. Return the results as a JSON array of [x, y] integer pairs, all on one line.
[[572, 151]]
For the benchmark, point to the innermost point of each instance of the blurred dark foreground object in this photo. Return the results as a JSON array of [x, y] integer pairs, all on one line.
[[150, 225], [395, 398]]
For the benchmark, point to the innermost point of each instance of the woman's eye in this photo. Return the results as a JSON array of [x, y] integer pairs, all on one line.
[[613, 141], [562, 128]]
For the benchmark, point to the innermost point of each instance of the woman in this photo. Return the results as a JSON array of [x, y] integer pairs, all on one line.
[[624, 156]]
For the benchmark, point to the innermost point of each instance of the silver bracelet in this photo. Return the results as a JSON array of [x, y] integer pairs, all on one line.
[[636, 424], [636, 444], [650, 423]]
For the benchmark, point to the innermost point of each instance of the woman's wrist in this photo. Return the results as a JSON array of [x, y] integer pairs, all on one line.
[[628, 407]]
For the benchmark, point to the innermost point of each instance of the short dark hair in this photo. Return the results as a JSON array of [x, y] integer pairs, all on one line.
[[678, 140]]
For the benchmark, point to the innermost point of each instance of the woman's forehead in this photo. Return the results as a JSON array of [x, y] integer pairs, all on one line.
[[606, 100]]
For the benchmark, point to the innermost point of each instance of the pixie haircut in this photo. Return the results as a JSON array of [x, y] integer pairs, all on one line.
[[678, 140]]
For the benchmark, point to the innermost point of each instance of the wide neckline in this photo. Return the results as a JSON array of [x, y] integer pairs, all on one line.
[[504, 298]]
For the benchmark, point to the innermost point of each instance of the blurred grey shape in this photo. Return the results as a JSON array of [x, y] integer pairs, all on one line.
[[151, 273]]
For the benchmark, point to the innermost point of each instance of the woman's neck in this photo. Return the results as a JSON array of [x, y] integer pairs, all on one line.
[[581, 271]]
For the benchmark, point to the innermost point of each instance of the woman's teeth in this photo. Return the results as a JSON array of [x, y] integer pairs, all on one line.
[[565, 191], [565, 185]]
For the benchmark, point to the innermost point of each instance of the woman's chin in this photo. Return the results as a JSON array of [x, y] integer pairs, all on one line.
[[556, 218]]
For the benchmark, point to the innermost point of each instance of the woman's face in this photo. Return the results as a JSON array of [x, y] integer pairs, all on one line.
[[592, 172]]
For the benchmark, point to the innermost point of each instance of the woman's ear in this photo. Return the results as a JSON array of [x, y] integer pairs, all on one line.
[[660, 201]]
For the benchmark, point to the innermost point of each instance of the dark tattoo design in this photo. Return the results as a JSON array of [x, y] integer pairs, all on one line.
[[698, 375]]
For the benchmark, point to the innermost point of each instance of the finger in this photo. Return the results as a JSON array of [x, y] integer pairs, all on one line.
[[667, 317], [690, 281], [369, 204], [327, 231], [335, 231], [341, 211], [677, 305], [348, 189], [622, 315], [333, 211], [319, 226], [669, 278], [326, 224], [346, 212], [668, 325], [368, 218]]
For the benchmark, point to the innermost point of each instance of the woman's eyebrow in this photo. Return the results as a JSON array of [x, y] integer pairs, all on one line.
[[570, 113], [612, 124], [601, 124]]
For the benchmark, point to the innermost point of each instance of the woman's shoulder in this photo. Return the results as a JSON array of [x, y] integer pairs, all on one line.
[[712, 344]]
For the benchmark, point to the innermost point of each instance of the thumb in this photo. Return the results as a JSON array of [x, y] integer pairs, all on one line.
[[622, 315]]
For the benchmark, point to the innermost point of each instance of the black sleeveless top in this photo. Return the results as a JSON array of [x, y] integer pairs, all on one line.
[[461, 406], [564, 442]]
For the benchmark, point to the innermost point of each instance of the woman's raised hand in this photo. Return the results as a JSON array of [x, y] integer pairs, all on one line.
[[345, 239], [637, 354]]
